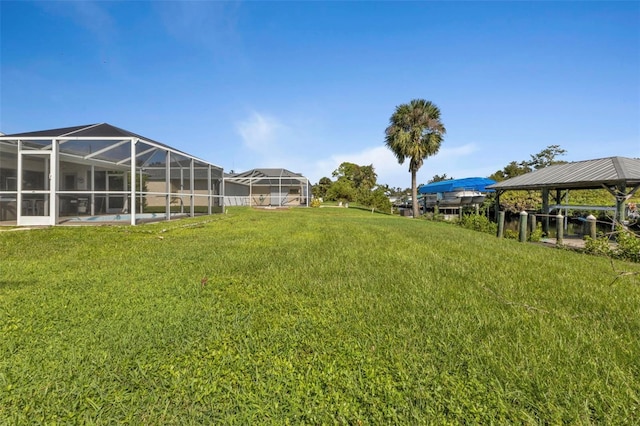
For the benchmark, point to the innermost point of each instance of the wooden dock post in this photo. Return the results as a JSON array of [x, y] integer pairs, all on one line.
[[523, 226], [591, 220], [500, 224], [559, 229]]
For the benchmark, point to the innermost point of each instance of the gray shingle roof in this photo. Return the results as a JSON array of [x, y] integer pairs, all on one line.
[[102, 130], [588, 174]]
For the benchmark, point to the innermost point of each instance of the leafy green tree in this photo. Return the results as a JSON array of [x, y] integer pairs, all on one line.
[[359, 184], [516, 201], [320, 189], [546, 157], [362, 177], [342, 190], [438, 178], [346, 170], [397, 191], [511, 170], [376, 198], [415, 132]]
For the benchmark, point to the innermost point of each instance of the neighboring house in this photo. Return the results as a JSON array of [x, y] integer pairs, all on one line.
[[267, 188], [89, 173]]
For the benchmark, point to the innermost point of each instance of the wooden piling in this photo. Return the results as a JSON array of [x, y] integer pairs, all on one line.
[[591, 220], [500, 224], [559, 230], [523, 226]]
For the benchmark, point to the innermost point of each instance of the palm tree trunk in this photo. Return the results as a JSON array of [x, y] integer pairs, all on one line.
[[414, 193]]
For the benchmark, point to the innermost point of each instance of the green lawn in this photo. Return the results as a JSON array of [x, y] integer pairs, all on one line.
[[313, 316]]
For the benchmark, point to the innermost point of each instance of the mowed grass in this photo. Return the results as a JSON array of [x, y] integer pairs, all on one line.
[[311, 316]]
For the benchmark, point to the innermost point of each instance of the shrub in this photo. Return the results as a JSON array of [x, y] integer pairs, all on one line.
[[628, 245], [433, 216], [511, 234], [478, 223], [598, 246], [536, 235], [315, 202]]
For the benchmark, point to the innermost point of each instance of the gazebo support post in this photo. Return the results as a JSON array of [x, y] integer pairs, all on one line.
[[497, 204], [562, 198], [621, 198], [545, 211]]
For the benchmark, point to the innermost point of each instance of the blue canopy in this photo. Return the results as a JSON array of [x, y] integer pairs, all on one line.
[[471, 184]]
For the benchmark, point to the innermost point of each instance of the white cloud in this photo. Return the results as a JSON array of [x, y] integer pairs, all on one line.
[[462, 150], [261, 133], [378, 156], [454, 161]]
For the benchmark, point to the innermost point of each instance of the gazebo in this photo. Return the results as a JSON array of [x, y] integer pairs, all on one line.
[[620, 176], [101, 173]]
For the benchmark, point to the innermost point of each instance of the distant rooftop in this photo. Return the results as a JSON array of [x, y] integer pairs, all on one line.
[[266, 172], [265, 176]]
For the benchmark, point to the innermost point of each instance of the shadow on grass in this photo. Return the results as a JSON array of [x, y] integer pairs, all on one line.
[[15, 285], [369, 209]]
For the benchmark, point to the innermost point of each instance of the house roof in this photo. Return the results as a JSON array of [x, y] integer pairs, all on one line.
[[266, 172], [472, 184], [99, 130], [266, 176], [588, 174], [88, 130]]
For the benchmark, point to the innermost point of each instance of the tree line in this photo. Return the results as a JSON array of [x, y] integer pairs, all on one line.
[[416, 132], [354, 183]]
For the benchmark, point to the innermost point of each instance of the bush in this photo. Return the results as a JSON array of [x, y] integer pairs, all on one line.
[[598, 246], [628, 247], [536, 235], [478, 223], [510, 234], [315, 202]]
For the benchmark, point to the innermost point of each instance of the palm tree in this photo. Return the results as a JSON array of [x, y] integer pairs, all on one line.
[[415, 132]]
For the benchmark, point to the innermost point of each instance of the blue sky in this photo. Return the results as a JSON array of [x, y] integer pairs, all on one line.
[[308, 85]]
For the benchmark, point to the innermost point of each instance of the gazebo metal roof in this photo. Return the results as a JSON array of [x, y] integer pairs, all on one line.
[[588, 174], [618, 175]]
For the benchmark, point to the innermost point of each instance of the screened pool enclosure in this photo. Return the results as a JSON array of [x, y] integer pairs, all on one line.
[[99, 174]]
